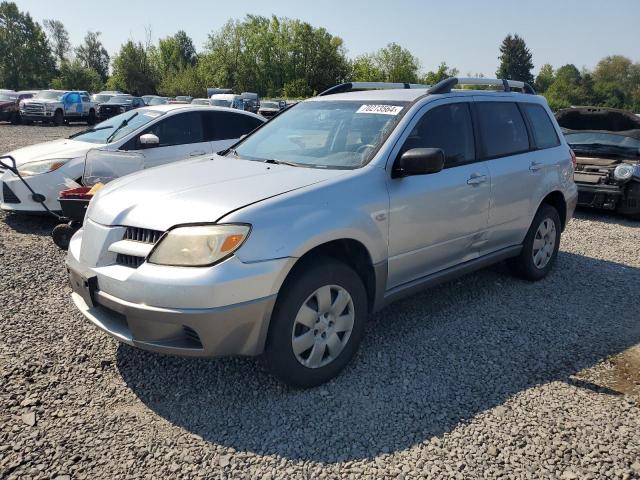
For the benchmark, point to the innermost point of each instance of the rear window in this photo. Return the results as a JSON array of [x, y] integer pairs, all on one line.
[[229, 125], [503, 129], [544, 133]]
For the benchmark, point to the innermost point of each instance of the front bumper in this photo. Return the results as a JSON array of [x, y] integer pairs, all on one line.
[[48, 184], [209, 311], [623, 198], [40, 117]]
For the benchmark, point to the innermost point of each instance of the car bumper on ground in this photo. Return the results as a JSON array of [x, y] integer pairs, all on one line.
[[203, 312]]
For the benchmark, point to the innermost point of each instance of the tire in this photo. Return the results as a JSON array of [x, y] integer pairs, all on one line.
[[540, 246], [58, 118], [62, 235], [91, 119], [320, 327], [16, 119]]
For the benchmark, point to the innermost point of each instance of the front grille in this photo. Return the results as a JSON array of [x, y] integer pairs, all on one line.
[[8, 195], [136, 234], [34, 108], [129, 260], [143, 235]]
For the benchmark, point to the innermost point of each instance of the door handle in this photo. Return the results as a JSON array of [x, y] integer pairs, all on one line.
[[197, 153], [476, 179], [535, 166]]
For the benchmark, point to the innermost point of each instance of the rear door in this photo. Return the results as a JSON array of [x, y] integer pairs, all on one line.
[[181, 136], [506, 144], [224, 128], [439, 220]]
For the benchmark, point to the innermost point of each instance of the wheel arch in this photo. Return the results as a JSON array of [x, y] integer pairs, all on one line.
[[556, 200]]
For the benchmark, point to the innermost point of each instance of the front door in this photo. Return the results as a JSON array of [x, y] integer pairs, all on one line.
[[438, 220]]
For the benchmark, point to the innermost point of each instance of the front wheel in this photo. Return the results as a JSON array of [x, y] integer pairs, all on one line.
[[58, 118], [16, 118], [540, 247], [62, 235], [317, 323], [91, 120]]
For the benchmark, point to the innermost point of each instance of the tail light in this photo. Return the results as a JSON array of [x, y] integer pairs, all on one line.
[[574, 160]]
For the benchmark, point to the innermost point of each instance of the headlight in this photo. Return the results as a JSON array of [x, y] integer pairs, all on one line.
[[624, 172], [198, 246], [41, 166]]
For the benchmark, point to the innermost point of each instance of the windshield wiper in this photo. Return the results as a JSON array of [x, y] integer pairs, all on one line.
[[282, 162], [123, 124], [90, 130]]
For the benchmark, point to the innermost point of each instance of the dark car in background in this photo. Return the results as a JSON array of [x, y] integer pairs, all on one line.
[[10, 105], [119, 104], [270, 108], [606, 142]]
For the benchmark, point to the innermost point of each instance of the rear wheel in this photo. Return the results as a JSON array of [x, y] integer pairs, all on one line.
[[91, 120], [58, 118], [540, 247], [317, 323]]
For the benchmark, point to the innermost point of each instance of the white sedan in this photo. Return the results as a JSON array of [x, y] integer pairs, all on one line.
[[156, 134]]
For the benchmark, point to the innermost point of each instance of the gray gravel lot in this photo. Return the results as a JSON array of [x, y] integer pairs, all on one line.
[[485, 377]]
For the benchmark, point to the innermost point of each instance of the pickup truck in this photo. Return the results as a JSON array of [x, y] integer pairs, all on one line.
[[58, 107]]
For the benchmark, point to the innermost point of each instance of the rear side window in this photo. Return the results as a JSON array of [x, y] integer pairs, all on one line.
[[228, 125], [544, 134], [503, 129], [447, 127]]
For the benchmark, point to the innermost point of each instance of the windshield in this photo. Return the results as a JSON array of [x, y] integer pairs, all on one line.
[[221, 103], [200, 101], [101, 132], [157, 101], [599, 138], [8, 96], [269, 105], [120, 99], [101, 98], [323, 134], [49, 95]]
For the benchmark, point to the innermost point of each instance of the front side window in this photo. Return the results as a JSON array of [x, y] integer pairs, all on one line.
[[503, 129], [544, 132], [324, 134], [449, 128], [179, 129]]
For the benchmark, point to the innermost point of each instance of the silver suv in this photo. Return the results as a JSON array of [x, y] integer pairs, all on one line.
[[282, 245]]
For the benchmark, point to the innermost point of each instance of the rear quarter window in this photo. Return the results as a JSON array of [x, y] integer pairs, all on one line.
[[502, 128], [544, 132]]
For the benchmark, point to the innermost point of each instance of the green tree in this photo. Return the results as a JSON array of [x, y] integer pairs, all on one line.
[[176, 52], [616, 82], [569, 88], [263, 55], [441, 73], [59, 38], [392, 63], [133, 71], [26, 60], [74, 76], [545, 78], [515, 60], [92, 54]]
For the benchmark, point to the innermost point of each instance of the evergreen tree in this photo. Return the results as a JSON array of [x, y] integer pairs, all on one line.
[[515, 60]]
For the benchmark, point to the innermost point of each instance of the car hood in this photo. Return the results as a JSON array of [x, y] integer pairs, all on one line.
[[42, 100], [196, 191], [63, 148]]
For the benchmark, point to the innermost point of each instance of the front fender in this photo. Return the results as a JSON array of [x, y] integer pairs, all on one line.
[[289, 225]]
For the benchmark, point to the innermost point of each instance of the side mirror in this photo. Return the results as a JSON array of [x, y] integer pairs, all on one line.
[[149, 140], [419, 161]]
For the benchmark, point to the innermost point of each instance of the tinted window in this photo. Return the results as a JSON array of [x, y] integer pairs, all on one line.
[[228, 125], [502, 127], [447, 127], [179, 129], [543, 132]]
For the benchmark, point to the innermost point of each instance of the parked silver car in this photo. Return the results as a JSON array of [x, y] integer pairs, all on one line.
[[283, 244]]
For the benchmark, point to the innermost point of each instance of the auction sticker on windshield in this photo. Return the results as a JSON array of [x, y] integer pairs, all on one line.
[[380, 109]]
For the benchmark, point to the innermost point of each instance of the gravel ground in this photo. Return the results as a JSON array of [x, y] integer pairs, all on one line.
[[485, 377]]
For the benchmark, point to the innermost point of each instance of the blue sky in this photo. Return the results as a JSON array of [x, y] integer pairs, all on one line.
[[464, 33]]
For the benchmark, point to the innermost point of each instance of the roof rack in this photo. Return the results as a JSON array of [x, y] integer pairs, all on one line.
[[447, 84], [353, 86]]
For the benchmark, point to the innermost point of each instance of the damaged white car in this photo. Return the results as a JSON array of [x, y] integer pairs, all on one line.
[[158, 135]]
